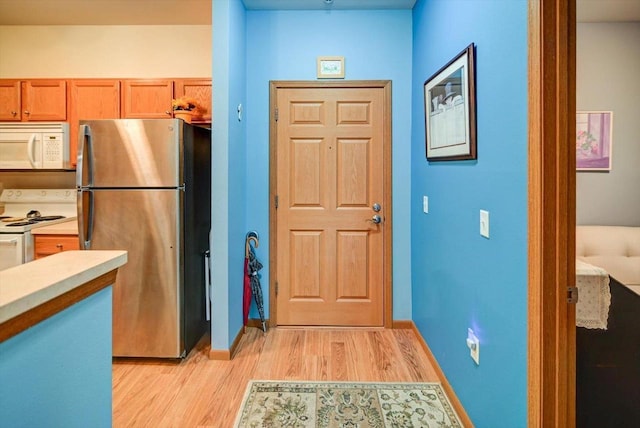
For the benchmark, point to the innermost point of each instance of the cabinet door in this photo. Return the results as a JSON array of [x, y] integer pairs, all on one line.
[[10, 100], [44, 100], [91, 99], [146, 99], [200, 90], [45, 245]]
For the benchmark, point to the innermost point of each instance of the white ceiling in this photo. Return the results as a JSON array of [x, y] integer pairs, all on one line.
[[608, 10], [198, 12]]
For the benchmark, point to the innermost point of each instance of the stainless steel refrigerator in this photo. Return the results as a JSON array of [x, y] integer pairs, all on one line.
[[144, 185]]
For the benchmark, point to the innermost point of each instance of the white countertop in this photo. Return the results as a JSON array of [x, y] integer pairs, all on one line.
[[66, 228], [27, 286]]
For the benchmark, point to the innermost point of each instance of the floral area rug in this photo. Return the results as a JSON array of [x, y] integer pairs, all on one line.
[[345, 405]]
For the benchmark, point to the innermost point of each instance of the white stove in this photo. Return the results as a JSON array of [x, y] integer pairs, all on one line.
[[25, 210]]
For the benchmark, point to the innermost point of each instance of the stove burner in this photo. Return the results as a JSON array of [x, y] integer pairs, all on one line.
[[46, 218], [34, 220], [21, 223]]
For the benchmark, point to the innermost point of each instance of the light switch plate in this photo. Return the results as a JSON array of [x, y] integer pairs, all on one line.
[[484, 223], [425, 204]]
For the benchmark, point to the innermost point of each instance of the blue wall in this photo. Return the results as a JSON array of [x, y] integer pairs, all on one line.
[[250, 48], [283, 45], [460, 279], [228, 171], [58, 373], [446, 276]]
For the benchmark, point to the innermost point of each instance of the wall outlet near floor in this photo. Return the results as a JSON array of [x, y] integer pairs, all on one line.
[[474, 346]]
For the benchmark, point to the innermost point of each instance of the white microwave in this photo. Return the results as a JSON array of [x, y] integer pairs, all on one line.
[[34, 145]]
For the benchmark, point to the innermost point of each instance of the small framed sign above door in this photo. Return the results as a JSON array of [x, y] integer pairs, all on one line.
[[330, 67]]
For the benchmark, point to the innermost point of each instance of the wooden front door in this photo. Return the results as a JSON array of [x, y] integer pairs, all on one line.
[[330, 181]]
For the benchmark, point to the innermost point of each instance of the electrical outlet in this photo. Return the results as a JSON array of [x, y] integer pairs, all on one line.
[[474, 346], [425, 204]]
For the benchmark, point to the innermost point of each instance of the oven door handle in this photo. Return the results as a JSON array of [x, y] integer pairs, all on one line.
[[11, 242]]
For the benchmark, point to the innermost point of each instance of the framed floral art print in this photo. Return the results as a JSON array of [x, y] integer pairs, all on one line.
[[594, 141]]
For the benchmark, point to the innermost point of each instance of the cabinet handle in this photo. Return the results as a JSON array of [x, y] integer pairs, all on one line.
[[58, 245], [14, 113], [26, 112], [168, 112]]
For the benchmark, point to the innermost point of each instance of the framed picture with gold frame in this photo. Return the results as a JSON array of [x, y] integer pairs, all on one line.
[[330, 67]]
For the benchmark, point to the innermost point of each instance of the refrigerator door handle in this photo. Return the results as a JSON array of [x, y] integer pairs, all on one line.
[[207, 283], [85, 231], [85, 150]]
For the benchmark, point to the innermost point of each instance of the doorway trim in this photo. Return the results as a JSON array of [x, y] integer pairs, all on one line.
[[274, 86], [551, 230]]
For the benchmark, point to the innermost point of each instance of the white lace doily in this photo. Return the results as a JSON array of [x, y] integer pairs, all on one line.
[[594, 296]]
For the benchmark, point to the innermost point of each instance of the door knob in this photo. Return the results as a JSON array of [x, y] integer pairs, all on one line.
[[376, 207], [376, 219]]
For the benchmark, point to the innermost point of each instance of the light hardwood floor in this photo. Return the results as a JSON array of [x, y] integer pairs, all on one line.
[[199, 392]]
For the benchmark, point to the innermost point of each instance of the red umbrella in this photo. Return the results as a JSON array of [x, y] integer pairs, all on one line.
[[246, 298], [256, 289]]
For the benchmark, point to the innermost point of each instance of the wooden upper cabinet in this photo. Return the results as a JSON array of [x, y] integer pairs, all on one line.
[[33, 100], [10, 100], [73, 100], [200, 90], [91, 99], [147, 99], [44, 100]]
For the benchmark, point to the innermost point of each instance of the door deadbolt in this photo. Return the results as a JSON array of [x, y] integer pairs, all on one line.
[[376, 207]]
